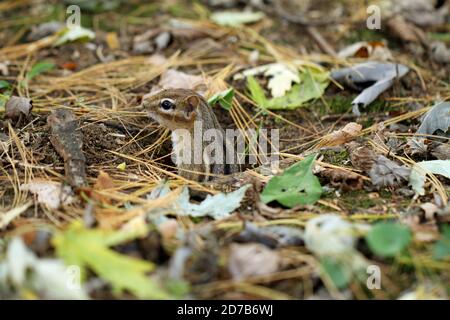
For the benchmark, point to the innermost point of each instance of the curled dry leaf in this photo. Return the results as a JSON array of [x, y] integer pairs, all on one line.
[[173, 79], [375, 50], [52, 194], [343, 179], [421, 169], [252, 259], [341, 136], [437, 119], [103, 182], [386, 172], [361, 156], [371, 78], [17, 107]]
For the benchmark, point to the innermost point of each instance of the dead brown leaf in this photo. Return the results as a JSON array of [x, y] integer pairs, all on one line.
[[17, 108], [252, 259], [341, 136]]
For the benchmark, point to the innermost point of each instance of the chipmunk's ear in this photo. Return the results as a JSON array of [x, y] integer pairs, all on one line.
[[192, 103]]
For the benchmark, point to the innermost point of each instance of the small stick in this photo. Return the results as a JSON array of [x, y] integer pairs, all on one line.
[[68, 142]]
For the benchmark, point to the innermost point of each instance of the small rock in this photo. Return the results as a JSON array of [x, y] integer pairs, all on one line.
[[17, 107]]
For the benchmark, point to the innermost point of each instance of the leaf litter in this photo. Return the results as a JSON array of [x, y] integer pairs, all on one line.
[[85, 161]]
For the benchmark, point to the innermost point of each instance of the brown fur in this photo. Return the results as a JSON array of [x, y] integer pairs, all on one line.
[[189, 107]]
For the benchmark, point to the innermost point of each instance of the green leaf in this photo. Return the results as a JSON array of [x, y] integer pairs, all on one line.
[[76, 33], [338, 272], [387, 239], [256, 92], [88, 248], [224, 98], [234, 18], [3, 99], [441, 250], [297, 185], [312, 86], [178, 288], [39, 68], [418, 173], [4, 84]]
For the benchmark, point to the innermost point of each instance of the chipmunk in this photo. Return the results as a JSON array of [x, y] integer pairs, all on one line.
[[188, 116]]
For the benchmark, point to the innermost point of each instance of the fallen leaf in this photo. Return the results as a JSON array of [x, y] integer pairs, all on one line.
[[441, 249], [49, 193], [312, 86], [280, 75], [17, 107], [234, 18], [173, 79], [343, 179], [8, 216], [75, 33], [438, 118], [69, 65], [385, 172], [122, 166], [379, 76], [252, 259], [47, 277], [39, 68], [347, 133], [224, 98], [374, 50], [112, 40], [103, 182], [297, 185], [338, 272], [218, 207], [329, 235], [387, 239], [361, 156], [4, 85], [420, 169], [89, 248]]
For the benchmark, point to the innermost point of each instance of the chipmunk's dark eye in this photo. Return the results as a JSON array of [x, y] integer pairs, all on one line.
[[167, 104]]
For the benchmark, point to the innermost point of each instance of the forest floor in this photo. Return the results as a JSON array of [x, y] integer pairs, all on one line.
[[94, 191]]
